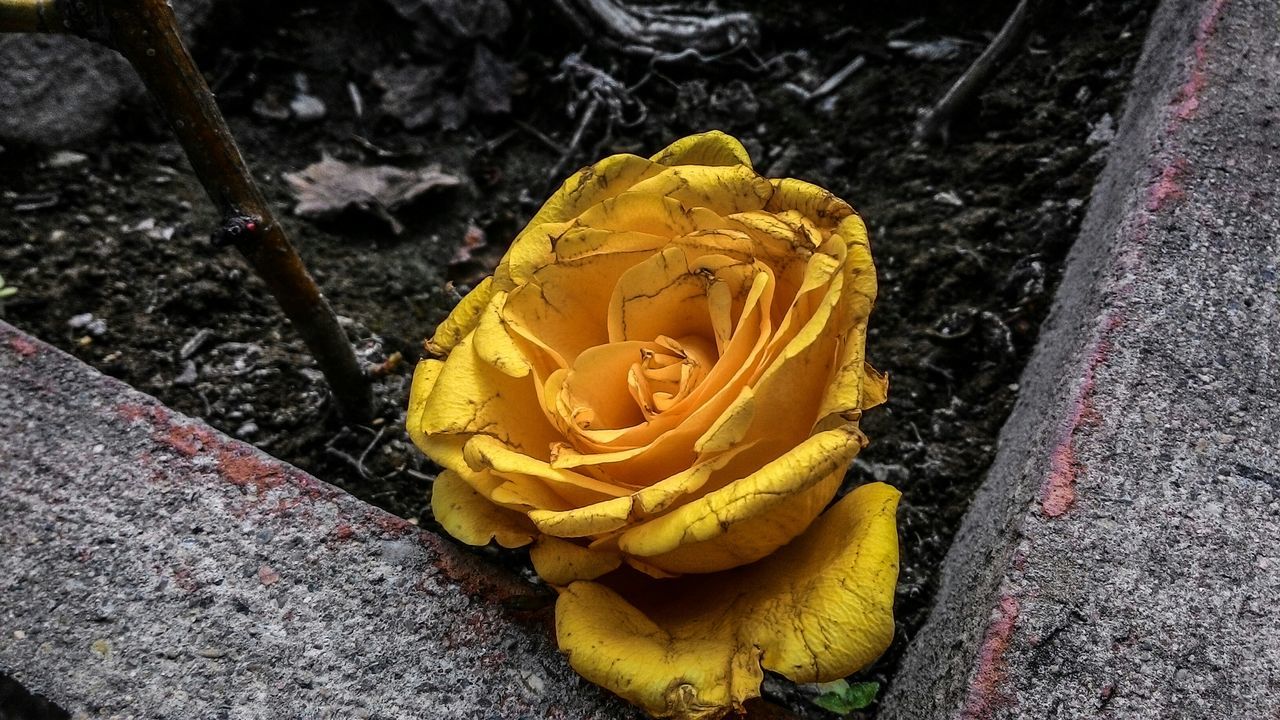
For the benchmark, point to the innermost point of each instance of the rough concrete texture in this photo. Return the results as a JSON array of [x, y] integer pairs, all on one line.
[[152, 567], [1122, 559], [57, 90]]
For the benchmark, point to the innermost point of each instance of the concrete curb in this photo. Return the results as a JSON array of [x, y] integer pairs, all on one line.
[[1121, 559], [152, 567]]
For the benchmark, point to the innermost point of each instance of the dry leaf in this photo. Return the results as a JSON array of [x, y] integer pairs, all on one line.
[[331, 186]]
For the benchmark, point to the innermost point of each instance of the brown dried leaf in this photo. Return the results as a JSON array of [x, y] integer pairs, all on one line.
[[331, 186]]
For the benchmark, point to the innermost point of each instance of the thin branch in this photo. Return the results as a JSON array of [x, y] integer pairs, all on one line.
[[935, 126], [146, 33]]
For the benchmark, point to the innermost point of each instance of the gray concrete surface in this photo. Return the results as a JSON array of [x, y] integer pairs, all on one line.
[[1122, 559], [57, 90], [151, 567]]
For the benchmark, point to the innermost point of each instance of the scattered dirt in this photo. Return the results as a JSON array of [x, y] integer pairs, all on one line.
[[109, 247]]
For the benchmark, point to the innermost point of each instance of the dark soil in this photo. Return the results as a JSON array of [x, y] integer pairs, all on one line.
[[969, 239]]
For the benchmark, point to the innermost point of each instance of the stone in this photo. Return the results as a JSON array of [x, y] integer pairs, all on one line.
[[1119, 561], [58, 90], [152, 566]]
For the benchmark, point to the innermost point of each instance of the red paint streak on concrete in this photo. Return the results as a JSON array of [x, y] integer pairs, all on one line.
[[1189, 96], [390, 524], [985, 695], [23, 346], [1058, 492], [1059, 489], [238, 464], [1168, 187]]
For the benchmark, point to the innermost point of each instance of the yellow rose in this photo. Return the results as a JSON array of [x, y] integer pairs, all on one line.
[[660, 388]]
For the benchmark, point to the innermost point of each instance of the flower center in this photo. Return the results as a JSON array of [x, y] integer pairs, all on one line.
[[668, 370]]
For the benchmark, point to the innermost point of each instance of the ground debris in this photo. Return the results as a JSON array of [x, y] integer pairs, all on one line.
[[470, 19], [331, 186], [651, 30]]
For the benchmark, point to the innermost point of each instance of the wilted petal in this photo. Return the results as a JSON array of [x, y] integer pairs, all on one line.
[[598, 519], [472, 518], [708, 148], [471, 396], [809, 201], [463, 319], [779, 500], [560, 562], [724, 190], [818, 609], [595, 184]]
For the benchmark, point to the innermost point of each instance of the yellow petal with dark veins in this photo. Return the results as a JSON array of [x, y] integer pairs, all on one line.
[[818, 609], [769, 490], [463, 319], [708, 148], [594, 184], [470, 517], [560, 562]]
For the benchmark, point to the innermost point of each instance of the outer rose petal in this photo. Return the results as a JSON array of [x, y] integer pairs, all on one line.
[[560, 562], [774, 502], [708, 148], [592, 184], [463, 319], [818, 609], [470, 517]]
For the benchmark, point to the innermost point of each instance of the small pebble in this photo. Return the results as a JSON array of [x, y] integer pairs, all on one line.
[[307, 108], [189, 374], [66, 158]]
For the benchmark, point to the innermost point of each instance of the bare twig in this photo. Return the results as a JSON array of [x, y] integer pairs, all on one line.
[[587, 116], [834, 82], [146, 33], [935, 126]]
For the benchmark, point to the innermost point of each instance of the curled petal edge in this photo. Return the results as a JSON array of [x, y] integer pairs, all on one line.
[[818, 609]]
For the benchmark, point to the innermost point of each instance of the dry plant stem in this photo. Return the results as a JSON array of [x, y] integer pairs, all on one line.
[[935, 126], [146, 33]]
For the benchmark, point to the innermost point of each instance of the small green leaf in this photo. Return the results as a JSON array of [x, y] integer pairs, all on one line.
[[842, 698], [8, 292]]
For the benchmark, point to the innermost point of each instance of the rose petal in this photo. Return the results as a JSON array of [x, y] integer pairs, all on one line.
[[471, 518], [594, 184], [680, 540], [639, 212], [564, 308], [708, 148], [598, 519], [818, 609], [470, 396], [560, 562], [486, 453], [493, 342], [424, 379], [809, 201], [725, 190], [463, 319]]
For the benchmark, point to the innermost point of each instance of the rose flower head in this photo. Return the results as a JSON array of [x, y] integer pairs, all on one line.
[[659, 389]]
